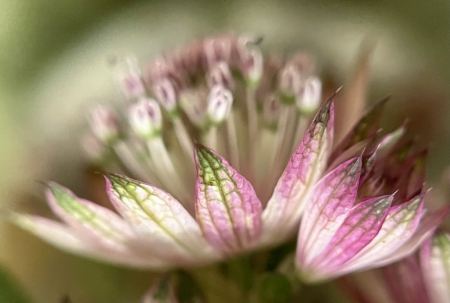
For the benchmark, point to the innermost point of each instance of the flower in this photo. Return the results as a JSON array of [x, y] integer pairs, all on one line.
[[204, 84], [369, 210], [220, 91]]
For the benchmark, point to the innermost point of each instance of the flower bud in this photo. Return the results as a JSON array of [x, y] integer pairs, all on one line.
[[290, 83], [253, 66], [220, 75], [251, 59], [166, 95], [105, 124], [145, 118], [220, 101], [128, 75], [308, 101]]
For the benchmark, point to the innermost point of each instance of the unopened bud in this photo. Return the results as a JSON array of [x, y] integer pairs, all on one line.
[[220, 75], [145, 118], [128, 75], [308, 101], [220, 101], [194, 103], [105, 124], [166, 95], [271, 111], [290, 83], [253, 66], [251, 59]]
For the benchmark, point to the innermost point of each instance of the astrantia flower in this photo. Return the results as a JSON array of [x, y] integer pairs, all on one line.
[[220, 92], [369, 210]]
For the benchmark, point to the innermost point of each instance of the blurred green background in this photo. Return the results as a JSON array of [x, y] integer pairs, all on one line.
[[53, 56]]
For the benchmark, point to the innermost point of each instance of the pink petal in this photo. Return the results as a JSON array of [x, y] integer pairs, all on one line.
[[99, 225], [435, 260], [328, 206], [306, 166], [227, 208], [359, 228], [427, 226], [400, 224], [157, 217]]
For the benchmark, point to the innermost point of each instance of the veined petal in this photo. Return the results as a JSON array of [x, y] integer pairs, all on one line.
[[359, 228], [435, 260], [102, 226], [328, 206], [227, 208], [400, 224], [306, 166], [52, 232], [156, 216], [427, 226], [69, 240]]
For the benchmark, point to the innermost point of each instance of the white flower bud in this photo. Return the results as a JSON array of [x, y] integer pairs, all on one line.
[[145, 118], [308, 101], [251, 58], [128, 75], [220, 101], [105, 124], [253, 66], [290, 83], [166, 95]]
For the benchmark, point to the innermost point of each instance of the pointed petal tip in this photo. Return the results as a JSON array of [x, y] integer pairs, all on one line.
[[198, 148], [323, 116]]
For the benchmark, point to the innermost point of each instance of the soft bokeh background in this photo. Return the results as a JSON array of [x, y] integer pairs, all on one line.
[[53, 65]]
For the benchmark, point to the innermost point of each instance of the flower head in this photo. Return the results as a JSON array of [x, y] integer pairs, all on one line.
[[212, 92]]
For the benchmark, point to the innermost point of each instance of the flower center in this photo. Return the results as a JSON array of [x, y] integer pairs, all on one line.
[[217, 91]]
